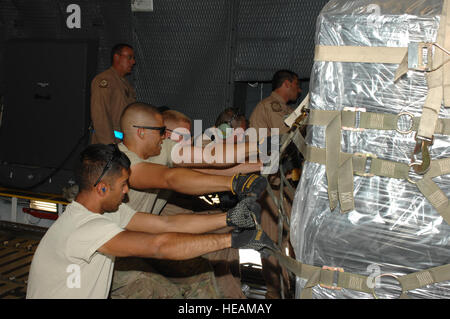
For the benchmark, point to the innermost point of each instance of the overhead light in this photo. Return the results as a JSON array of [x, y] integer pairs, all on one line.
[[142, 5], [45, 206]]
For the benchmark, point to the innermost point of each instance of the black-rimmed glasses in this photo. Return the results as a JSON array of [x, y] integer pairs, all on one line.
[[161, 129], [115, 155]]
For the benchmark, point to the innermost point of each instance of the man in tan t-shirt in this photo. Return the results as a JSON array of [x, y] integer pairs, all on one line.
[[224, 262], [270, 113], [75, 258], [110, 94], [144, 143]]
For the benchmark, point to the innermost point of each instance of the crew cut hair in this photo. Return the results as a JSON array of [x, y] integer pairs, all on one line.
[[282, 75], [118, 49], [175, 116]]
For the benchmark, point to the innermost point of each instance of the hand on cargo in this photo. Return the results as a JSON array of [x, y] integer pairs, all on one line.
[[251, 185], [246, 214], [255, 239]]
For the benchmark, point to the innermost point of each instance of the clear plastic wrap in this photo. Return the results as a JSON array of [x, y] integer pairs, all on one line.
[[393, 227]]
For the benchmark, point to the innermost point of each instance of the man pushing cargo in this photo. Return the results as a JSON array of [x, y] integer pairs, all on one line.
[[75, 258]]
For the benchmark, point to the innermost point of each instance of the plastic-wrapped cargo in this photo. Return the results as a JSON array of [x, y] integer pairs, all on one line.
[[393, 229]]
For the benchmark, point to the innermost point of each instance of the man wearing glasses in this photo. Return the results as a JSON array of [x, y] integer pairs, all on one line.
[[75, 258], [224, 262], [111, 92], [144, 144], [178, 126]]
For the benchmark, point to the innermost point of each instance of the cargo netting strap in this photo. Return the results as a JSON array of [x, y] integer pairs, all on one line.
[[360, 54], [436, 80], [337, 278], [331, 277], [339, 170], [359, 119], [366, 164], [341, 166], [445, 22]]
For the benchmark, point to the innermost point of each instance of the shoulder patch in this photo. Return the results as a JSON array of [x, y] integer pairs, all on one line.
[[103, 84], [276, 106]]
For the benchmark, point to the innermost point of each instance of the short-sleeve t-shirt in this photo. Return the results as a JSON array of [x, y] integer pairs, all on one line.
[[66, 263], [150, 200]]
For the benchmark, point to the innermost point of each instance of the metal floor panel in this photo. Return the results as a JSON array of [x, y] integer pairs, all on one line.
[[17, 247]]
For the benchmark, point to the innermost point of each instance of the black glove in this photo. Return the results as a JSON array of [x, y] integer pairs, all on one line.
[[248, 185], [252, 239], [241, 215]]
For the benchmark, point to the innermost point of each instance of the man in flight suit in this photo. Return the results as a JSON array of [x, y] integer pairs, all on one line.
[[270, 113], [110, 94]]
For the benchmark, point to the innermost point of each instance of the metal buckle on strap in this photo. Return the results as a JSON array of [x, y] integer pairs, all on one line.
[[357, 110], [335, 279], [408, 178], [420, 56], [365, 155], [300, 121], [422, 144], [383, 275], [411, 117]]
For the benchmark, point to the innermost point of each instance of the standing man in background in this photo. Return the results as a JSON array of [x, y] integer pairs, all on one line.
[[270, 113], [110, 94]]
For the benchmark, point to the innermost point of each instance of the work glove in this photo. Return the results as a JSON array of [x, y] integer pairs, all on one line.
[[251, 185], [255, 239], [244, 214]]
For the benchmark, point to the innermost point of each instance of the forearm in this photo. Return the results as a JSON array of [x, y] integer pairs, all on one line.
[[216, 154], [174, 246], [196, 224], [243, 168], [182, 223], [179, 246], [190, 182]]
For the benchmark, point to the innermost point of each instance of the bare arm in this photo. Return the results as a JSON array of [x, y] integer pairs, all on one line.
[[182, 180], [182, 223], [174, 246], [243, 168], [213, 154]]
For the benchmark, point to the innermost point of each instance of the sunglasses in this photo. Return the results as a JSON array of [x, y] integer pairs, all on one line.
[[115, 155], [161, 129]]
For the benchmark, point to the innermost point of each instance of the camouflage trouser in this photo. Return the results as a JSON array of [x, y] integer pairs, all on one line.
[[271, 268], [225, 262], [138, 278]]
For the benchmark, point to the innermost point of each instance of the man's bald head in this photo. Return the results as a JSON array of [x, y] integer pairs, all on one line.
[[139, 113]]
